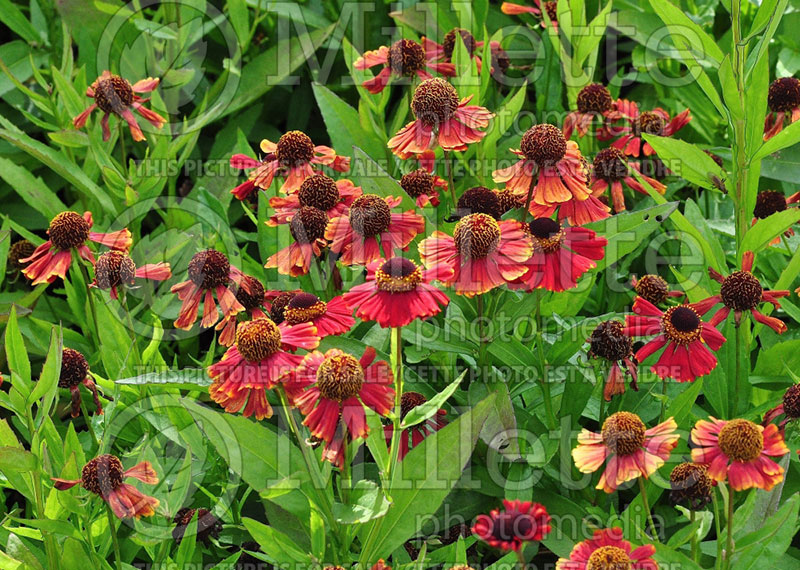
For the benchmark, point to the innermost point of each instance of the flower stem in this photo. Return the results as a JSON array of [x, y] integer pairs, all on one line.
[[482, 340], [114, 539], [397, 369], [729, 541], [521, 557], [717, 526], [123, 150], [90, 298], [663, 399], [548, 403], [692, 518], [531, 186], [646, 504], [450, 184]]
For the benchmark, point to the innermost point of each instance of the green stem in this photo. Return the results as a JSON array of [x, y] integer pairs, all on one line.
[[729, 541], [692, 518], [88, 525], [123, 150], [521, 558], [451, 185], [717, 527], [646, 504], [114, 539], [482, 340], [741, 167], [397, 362], [548, 403], [531, 186], [664, 399], [90, 298], [738, 378], [49, 545]]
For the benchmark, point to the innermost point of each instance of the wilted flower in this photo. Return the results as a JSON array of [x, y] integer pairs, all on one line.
[[480, 200], [397, 291], [789, 407], [293, 157], [207, 524], [482, 253], [612, 169], [739, 450], [318, 191], [307, 227], [636, 123], [116, 268], [422, 186], [519, 522], [608, 551], [741, 291], [594, 100], [770, 202], [690, 486], [653, 288], [783, 100], [684, 334], [440, 119], [74, 374], [257, 361], [69, 231], [561, 255], [416, 433], [18, 250], [252, 297], [103, 476], [632, 450], [404, 58], [609, 341], [355, 237], [114, 95], [210, 272], [550, 7], [331, 390]]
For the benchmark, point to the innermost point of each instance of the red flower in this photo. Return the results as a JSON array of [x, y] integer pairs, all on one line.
[[594, 100], [332, 389], [653, 288], [293, 157], [632, 450], [398, 291], [440, 119], [404, 58], [576, 212], [113, 94], [560, 256], [770, 202], [608, 551], [256, 363], [74, 374], [482, 254], [686, 337], [789, 408], [516, 9], [354, 237], [445, 50], [68, 231], [317, 191], [740, 451], [116, 268], [331, 318], [422, 185], [103, 476], [417, 433], [609, 341], [741, 291], [519, 522], [611, 169], [562, 174], [655, 122], [783, 100], [253, 298], [209, 272], [307, 226]]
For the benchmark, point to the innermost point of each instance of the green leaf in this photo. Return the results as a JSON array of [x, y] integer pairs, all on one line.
[[429, 408], [48, 380], [670, 558], [423, 479], [17, 460], [367, 502], [13, 17], [188, 544], [789, 136], [596, 31], [17, 354], [344, 124], [31, 189], [274, 543], [681, 406], [765, 546], [687, 161], [686, 35], [764, 231]]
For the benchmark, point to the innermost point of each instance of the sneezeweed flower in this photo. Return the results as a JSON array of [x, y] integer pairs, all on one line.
[[561, 255], [482, 253], [690, 486], [331, 390], [783, 100], [103, 476], [653, 288], [684, 334], [561, 171], [607, 550], [371, 230], [423, 187], [789, 407], [208, 525], [550, 7], [404, 58], [114, 95], [519, 522], [417, 433], [114, 269], [251, 296], [307, 228], [210, 273], [18, 250], [739, 450], [479, 200], [256, 362], [440, 119], [594, 101], [770, 202], [69, 231], [445, 51], [397, 291], [318, 191], [294, 157], [609, 341], [330, 318], [636, 123], [611, 170], [742, 291], [279, 303], [632, 450], [508, 200], [74, 374]]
